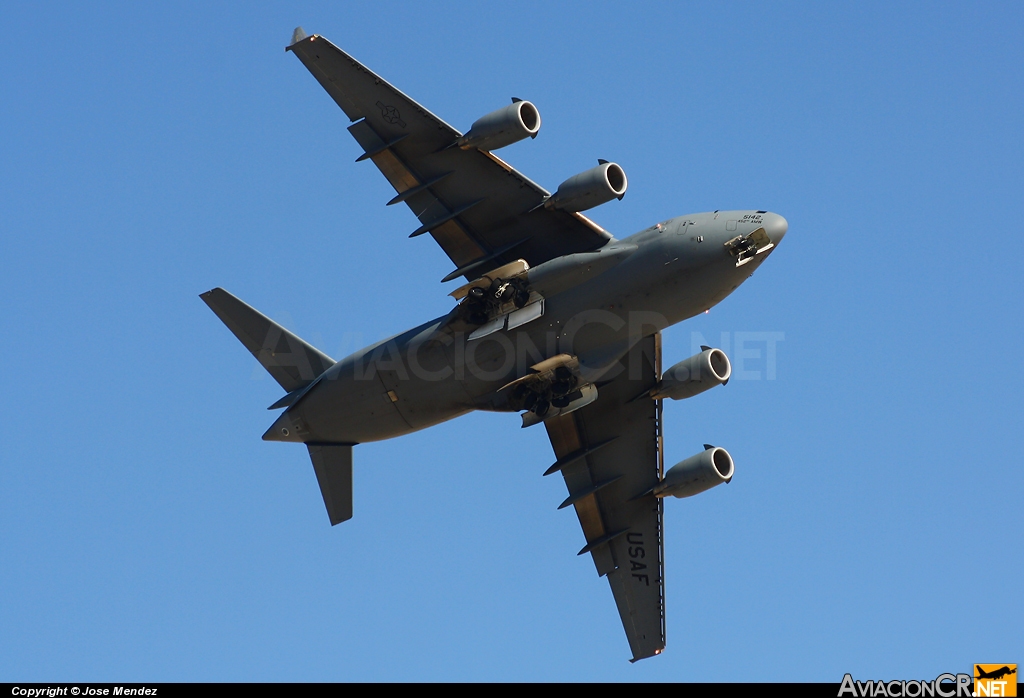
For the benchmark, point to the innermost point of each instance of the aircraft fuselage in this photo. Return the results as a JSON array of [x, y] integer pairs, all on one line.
[[433, 373]]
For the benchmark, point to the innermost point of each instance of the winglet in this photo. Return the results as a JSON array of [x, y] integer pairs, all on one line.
[[298, 35]]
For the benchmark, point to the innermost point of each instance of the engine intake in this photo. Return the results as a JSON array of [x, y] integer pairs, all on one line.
[[697, 473], [694, 375], [503, 127], [588, 189]]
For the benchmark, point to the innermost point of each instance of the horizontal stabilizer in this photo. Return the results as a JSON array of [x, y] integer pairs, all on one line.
[[290, 361], [333, 466]]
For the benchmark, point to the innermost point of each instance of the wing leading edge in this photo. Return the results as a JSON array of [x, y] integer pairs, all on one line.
[[609, 454], [480, 211]]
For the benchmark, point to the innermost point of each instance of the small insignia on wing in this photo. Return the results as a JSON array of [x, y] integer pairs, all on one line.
[[390, 114]]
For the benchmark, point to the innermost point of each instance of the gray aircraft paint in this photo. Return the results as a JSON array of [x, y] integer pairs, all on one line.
[[595, 303], [670, 276]]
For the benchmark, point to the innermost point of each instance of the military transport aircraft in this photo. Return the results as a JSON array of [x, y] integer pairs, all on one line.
[[558, 320]]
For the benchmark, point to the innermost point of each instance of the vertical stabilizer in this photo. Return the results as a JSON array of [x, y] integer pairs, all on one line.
[[290, 361]]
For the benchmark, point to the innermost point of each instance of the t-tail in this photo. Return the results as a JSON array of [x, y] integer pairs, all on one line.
[[295, 365]]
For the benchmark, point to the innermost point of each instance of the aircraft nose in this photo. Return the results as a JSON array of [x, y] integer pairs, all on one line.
[[776, 227]]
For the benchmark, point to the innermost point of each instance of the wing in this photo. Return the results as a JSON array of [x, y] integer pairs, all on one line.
[[479, 210], [609, 454]]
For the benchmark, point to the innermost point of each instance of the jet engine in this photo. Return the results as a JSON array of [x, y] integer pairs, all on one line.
[[588, 189], [694, 375], [696, 474], [503, 127]]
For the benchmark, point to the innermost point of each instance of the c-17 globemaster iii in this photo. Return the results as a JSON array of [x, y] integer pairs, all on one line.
[[558, 320]]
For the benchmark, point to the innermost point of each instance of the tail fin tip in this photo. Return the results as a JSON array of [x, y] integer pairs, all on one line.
[[290, 361]]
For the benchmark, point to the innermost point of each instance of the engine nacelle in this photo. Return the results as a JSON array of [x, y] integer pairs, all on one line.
[[696, 474], [694, 375], [503, 127], [588, 189]]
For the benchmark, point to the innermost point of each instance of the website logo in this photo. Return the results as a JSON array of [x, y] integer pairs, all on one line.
[[995, 680]]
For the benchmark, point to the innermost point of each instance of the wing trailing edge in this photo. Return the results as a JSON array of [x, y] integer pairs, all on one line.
[[609, 453]]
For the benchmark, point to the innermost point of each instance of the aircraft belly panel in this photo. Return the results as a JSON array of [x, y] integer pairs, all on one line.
[[422, 386], [352, 409]]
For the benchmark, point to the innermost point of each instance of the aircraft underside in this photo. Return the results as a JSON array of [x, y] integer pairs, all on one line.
[[557, 321]]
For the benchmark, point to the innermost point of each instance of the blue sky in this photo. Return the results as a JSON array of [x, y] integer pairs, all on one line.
[[151, 152]]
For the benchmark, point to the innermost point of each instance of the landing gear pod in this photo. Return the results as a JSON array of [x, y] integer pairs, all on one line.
[[588, 189], [503, 127], [562, 404], [694, 375], [698, 473]]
